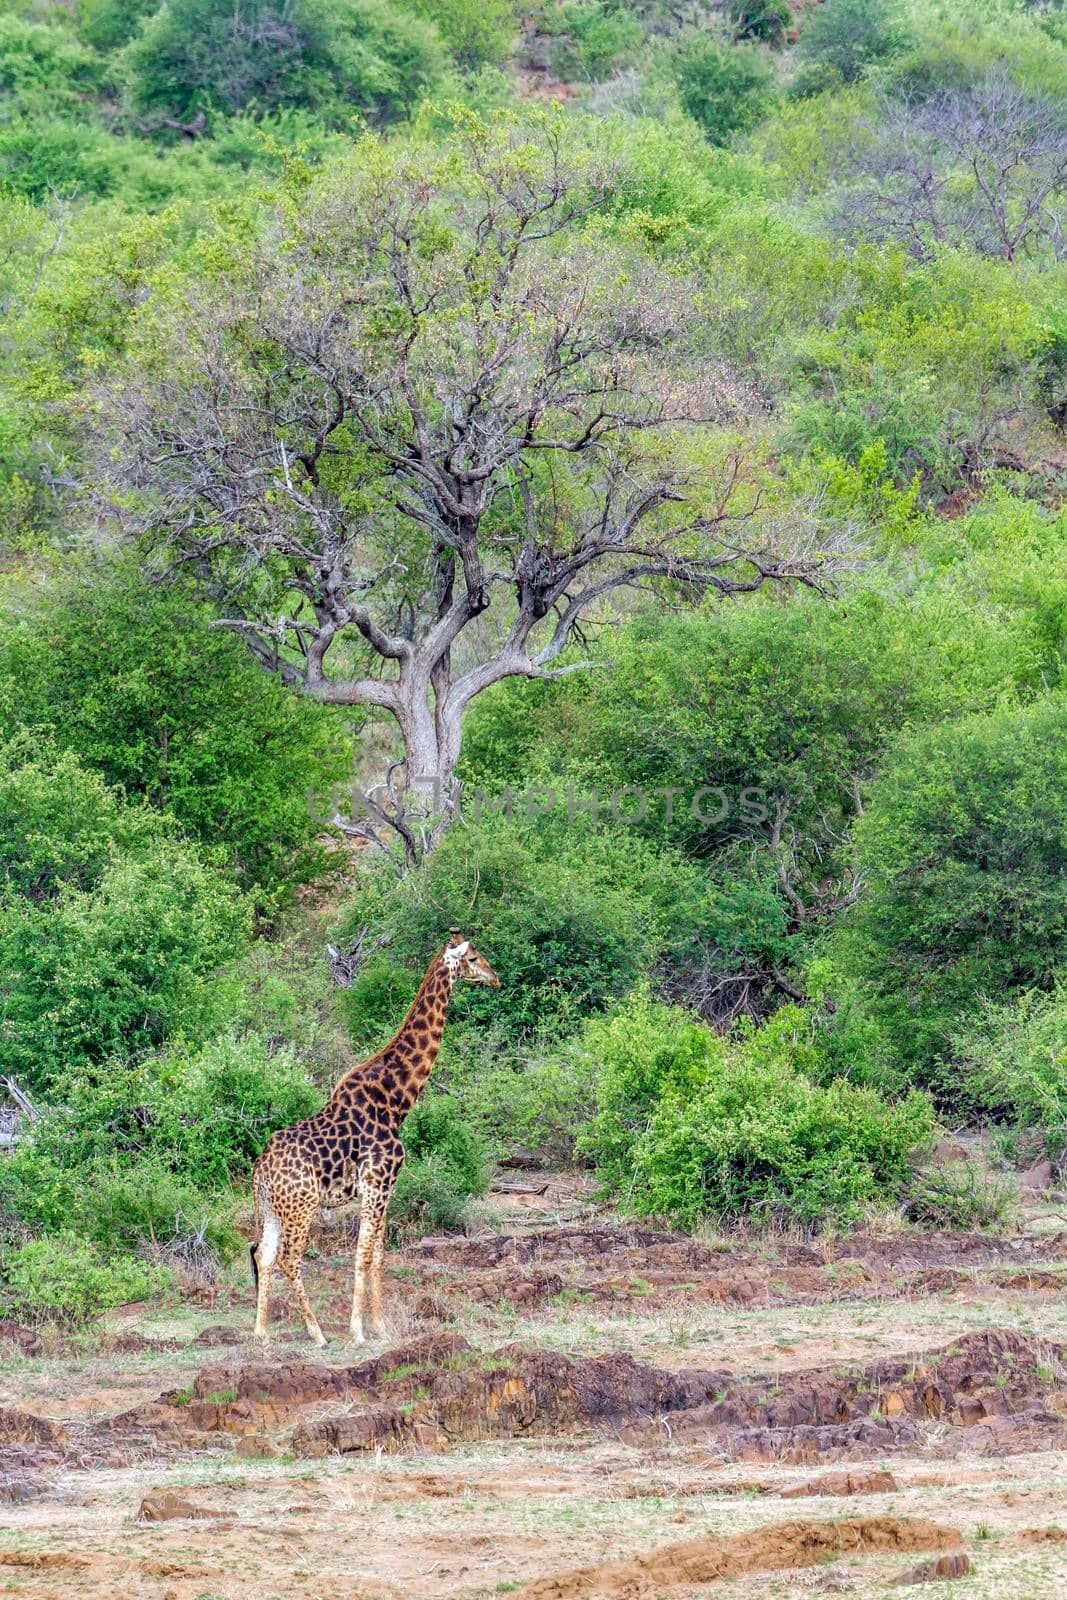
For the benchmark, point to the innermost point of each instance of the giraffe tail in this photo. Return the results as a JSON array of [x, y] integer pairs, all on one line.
[[255, 1265]]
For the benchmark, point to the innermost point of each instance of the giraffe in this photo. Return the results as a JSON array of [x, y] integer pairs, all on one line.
[[351, 1150]]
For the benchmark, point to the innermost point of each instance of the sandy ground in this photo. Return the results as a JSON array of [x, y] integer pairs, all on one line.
[[482, 1517]]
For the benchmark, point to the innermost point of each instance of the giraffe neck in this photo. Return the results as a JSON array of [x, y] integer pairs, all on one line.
[[410, 1054]]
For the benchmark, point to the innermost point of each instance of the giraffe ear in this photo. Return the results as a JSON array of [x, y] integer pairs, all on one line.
[[461, 949]]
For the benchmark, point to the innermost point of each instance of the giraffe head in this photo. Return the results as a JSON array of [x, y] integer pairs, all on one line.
[[462, 960]]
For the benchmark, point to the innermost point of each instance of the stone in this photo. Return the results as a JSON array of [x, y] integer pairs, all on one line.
[[844, 1483], [1038, 1179], [27, 1341], [380, 1428], [163, 1505], [257, 1447], [16, 1491], [430, 1307], [955, 1565], [218, 1334], [22, 1427]]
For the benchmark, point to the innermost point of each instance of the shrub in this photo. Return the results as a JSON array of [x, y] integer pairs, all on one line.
[[786, 710], [133, 678], [689, 1125], [110, 924], [965, 866], [635, 1055], [761, 1141], [1009, 1065], [724, 89], [42, 156], [338, 59], [125, 1205], [767, 20], [477, 32], [958, 1196], [843, 39], [44, 67], [535, 1094], [216, 1107], [568, 916], [599, 38], [65, 1279], [109, 24], [202, 1113], [444, 1167], [124, 1201]]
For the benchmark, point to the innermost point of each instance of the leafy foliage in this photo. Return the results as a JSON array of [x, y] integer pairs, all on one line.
[[363, 56], [725, 90], [135, 680], [562, 942], [65, 1279], [444, 1168], [1009, 1064], [690, 1126], [844, 39], [963, 854], [110, 923]]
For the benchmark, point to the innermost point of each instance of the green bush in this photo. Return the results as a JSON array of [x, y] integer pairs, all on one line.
[[725, 89], [964, 860], [444, 1167], [204, 1114], [341, 60], [44, 67], [843, 39], [125, 1205], [1008, 1064], [691, 1126], [133, 678], [436, 1126], [599, 37], [111, 926], [958, 1195], [535, 1094], [477, 32], [564, 938], [766, 20], [65, 1279], [635, 1055], [45, 155], [109, 24]]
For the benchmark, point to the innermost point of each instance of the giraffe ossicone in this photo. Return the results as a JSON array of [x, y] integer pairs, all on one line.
[[351, 1150]]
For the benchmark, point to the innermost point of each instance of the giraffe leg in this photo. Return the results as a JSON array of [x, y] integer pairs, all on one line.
[[377, 1181], [266, 1254], [377, 1256], [373, 1202], [290, 1260], [369, 1210]]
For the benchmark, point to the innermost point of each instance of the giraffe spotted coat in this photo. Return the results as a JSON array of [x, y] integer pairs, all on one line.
[[351, 1150]]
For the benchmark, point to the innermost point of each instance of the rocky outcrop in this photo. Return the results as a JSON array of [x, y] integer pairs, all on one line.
[[993, 1391], [678, 1567]]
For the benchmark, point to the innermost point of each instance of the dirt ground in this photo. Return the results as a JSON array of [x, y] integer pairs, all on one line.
[[567, 1406]]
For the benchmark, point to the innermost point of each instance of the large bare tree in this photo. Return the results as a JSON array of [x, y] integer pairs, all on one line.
[[422, 424]]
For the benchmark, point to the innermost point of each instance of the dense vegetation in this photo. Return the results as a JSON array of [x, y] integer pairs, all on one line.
[[648, 421]]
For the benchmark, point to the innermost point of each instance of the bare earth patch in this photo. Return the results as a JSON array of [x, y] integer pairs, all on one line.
[[568, 1406]]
